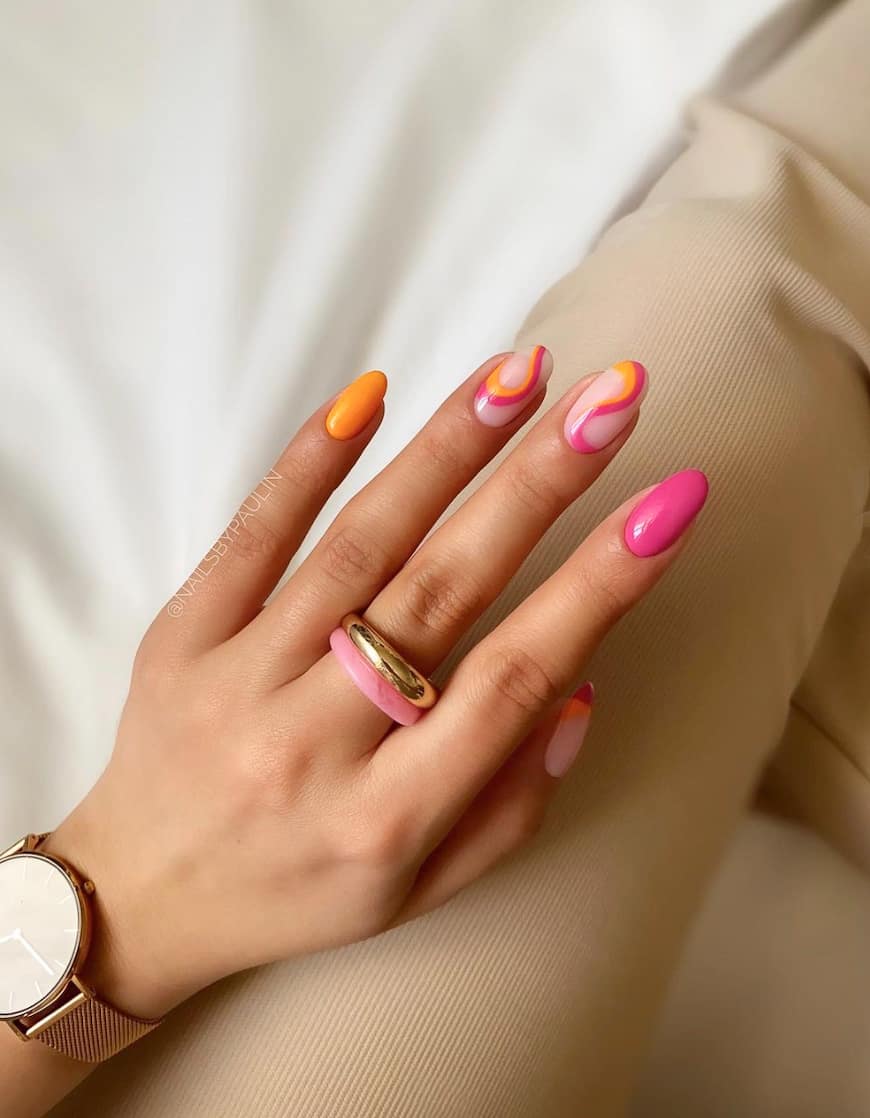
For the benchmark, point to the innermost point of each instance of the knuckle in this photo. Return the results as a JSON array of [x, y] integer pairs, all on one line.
[[201, 716], [155, 669], [446, 450], [147, 653], [440, 599], [250, 535], [145, 666], [270, 777], [521, 681], [351, 556], [534, 490], [146, 675], [295, 472], [387, 843]]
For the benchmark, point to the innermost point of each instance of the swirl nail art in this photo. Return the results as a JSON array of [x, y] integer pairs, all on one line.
[[606, 407], [511, 384], [570, 731]]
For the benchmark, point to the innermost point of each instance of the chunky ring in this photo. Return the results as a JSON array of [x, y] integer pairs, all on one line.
[[382, 674]]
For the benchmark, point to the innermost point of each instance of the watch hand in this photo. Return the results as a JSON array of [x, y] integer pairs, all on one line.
[[12, 935], [34, 953]]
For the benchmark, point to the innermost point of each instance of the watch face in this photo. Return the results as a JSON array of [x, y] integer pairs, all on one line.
[[40, 931]]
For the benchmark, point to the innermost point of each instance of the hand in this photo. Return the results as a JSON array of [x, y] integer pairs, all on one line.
[[257, 806]]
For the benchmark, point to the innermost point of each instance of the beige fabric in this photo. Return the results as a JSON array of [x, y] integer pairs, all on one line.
[[769, 1015], [744, 284], [821, 774]]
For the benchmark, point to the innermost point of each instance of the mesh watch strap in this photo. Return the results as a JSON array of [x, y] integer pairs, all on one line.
[[78, 1024], [93, 1031]]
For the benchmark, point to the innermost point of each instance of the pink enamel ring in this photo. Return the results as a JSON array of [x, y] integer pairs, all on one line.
[[382, 674]]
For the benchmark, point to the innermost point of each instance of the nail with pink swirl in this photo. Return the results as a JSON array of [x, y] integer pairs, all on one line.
[[606, 407], [511, 384], [564, 745]]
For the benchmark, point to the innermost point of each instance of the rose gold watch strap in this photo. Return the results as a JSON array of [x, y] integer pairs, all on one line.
[[94, 1031]]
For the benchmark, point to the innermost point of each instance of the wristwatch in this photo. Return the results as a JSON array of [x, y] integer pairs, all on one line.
[[46, 926]]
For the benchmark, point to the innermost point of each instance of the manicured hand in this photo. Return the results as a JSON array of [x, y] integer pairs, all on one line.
[[257, 806]]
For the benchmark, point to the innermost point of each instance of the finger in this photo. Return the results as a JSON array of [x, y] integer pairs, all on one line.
[[469, 560], [382, 525], [239, 571], [507, 813], [506, 682], [463, 567]]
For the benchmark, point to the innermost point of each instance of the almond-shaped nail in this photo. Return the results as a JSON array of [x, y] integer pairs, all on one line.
[[564, 745], [511, 384], [661, 517], [357, 405], [606, 406]]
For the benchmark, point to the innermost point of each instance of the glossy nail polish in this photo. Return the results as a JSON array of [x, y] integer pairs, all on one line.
[[564, 745], [661, 517], [511, 384], [357, 405], [605, 407]]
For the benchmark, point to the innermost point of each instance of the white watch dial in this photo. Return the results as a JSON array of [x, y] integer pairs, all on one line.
[[40, 931]]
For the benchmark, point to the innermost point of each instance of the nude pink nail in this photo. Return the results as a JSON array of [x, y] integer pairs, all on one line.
[[605, 407], [661, 517], [511, 385], [564, 745]]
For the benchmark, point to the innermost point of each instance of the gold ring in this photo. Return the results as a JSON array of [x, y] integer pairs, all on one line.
[[388, 663]]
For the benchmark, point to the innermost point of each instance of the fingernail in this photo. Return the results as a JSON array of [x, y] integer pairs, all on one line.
[[357, 405], [511, 384], [662, 516], [606, 407], [564, 745]]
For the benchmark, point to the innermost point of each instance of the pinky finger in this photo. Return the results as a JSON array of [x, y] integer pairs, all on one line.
[[509, 811]]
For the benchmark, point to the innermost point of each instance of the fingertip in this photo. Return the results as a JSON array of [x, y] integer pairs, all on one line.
[[356, 406], [665, 512], [511, 384], [606, 407], [570, 731]]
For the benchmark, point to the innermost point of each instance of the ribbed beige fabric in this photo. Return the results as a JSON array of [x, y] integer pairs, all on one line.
[[744, 284], [769, 1012]]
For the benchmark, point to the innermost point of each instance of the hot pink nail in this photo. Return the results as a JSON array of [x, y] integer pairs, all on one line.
[[606, 406], [511, 384], [564, 745], [662, 516]]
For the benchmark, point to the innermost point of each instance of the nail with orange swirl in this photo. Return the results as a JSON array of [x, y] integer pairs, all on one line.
[[511, 385], [605, 407], [570, 731]]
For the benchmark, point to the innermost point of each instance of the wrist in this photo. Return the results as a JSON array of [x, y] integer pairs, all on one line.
[[126, 965]]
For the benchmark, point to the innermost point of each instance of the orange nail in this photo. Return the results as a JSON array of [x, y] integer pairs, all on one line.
[[356, 406]]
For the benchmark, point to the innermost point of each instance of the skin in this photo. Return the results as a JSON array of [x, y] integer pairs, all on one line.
[[256, 806]]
